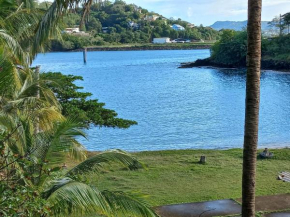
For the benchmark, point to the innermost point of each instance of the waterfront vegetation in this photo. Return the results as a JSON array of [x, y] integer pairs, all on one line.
[[231, 51], [125, 24], [77, 46], [232, 48]]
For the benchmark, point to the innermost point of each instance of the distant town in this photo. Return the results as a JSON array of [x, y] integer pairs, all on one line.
[[113, 24]]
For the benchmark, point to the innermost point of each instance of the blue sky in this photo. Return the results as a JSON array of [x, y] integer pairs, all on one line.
[[206, 12]]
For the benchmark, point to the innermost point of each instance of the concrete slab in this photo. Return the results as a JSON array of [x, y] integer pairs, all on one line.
[[281, 214], [202, 209], [272, 203]]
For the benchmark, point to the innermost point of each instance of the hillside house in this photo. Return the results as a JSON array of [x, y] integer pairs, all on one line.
[[134, 25], [75, 31], [177, 27], [105, 29], [190, 25], [151, 18], [72, 30]]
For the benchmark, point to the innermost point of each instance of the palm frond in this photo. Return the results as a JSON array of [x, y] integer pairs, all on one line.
[[34, 85], [62, 139], [13, 130], [48, 26], [10, 77], [47, 116], [128, 204], [70, 197], [98, 161], [12, 47], [20, 23]]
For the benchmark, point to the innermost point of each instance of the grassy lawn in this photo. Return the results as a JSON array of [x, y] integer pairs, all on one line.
[[176, 177]]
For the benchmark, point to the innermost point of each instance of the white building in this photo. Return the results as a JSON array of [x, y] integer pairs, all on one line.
[[72, 30], [161, 40], [75, 31], [105, 29], [151, 17], [190, 25], [133, 25], [177, 27]]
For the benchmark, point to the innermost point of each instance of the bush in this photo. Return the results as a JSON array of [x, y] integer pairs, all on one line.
[[231, 50]]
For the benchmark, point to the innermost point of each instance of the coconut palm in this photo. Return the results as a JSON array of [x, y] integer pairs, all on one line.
[[69, 195], [33, 157], [17, 26], [43, 153], [252, 107]]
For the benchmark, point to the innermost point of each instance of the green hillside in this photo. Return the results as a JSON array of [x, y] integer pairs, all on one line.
[[119, 23]]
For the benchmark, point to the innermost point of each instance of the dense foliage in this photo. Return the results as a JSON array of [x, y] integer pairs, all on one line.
[[126, 23], [277, 48], [78, 104], [231, 50], [37, 134]]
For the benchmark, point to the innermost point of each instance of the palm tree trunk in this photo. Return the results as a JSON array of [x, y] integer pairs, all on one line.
[[37, 130], [252, 107]]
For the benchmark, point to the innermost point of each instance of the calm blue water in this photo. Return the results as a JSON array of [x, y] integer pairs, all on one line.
[[175, 108]]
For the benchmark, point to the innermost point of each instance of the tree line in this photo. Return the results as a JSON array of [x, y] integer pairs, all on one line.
[[125, 23], [231, 49], [282, 22]]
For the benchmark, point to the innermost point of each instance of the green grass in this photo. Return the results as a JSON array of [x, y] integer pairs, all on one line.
[[177, 177]]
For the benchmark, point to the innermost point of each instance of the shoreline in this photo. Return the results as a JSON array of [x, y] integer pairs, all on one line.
[[144, 48], [260, 148], [269, 64], [242, 68]]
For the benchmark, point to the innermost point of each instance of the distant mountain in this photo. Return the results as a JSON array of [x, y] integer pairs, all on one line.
[[237, 25]]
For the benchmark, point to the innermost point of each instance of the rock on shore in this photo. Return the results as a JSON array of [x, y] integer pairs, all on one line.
[[266, 64]]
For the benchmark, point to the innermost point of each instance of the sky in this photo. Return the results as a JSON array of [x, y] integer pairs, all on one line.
[[206, 12]]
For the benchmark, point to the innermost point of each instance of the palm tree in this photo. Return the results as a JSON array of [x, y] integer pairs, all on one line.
[[252, 107], [18, 23], [41, 157], [70, 195], [32, 157]]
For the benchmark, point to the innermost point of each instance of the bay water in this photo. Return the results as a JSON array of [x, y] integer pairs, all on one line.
[[194, 108]]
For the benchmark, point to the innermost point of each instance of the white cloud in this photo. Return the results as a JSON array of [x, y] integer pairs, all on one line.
[[209, 11], [189, 12], [276, 2]]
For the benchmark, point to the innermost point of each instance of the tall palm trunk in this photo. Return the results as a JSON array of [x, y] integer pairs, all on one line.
[[37, 130], [252, 107]]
